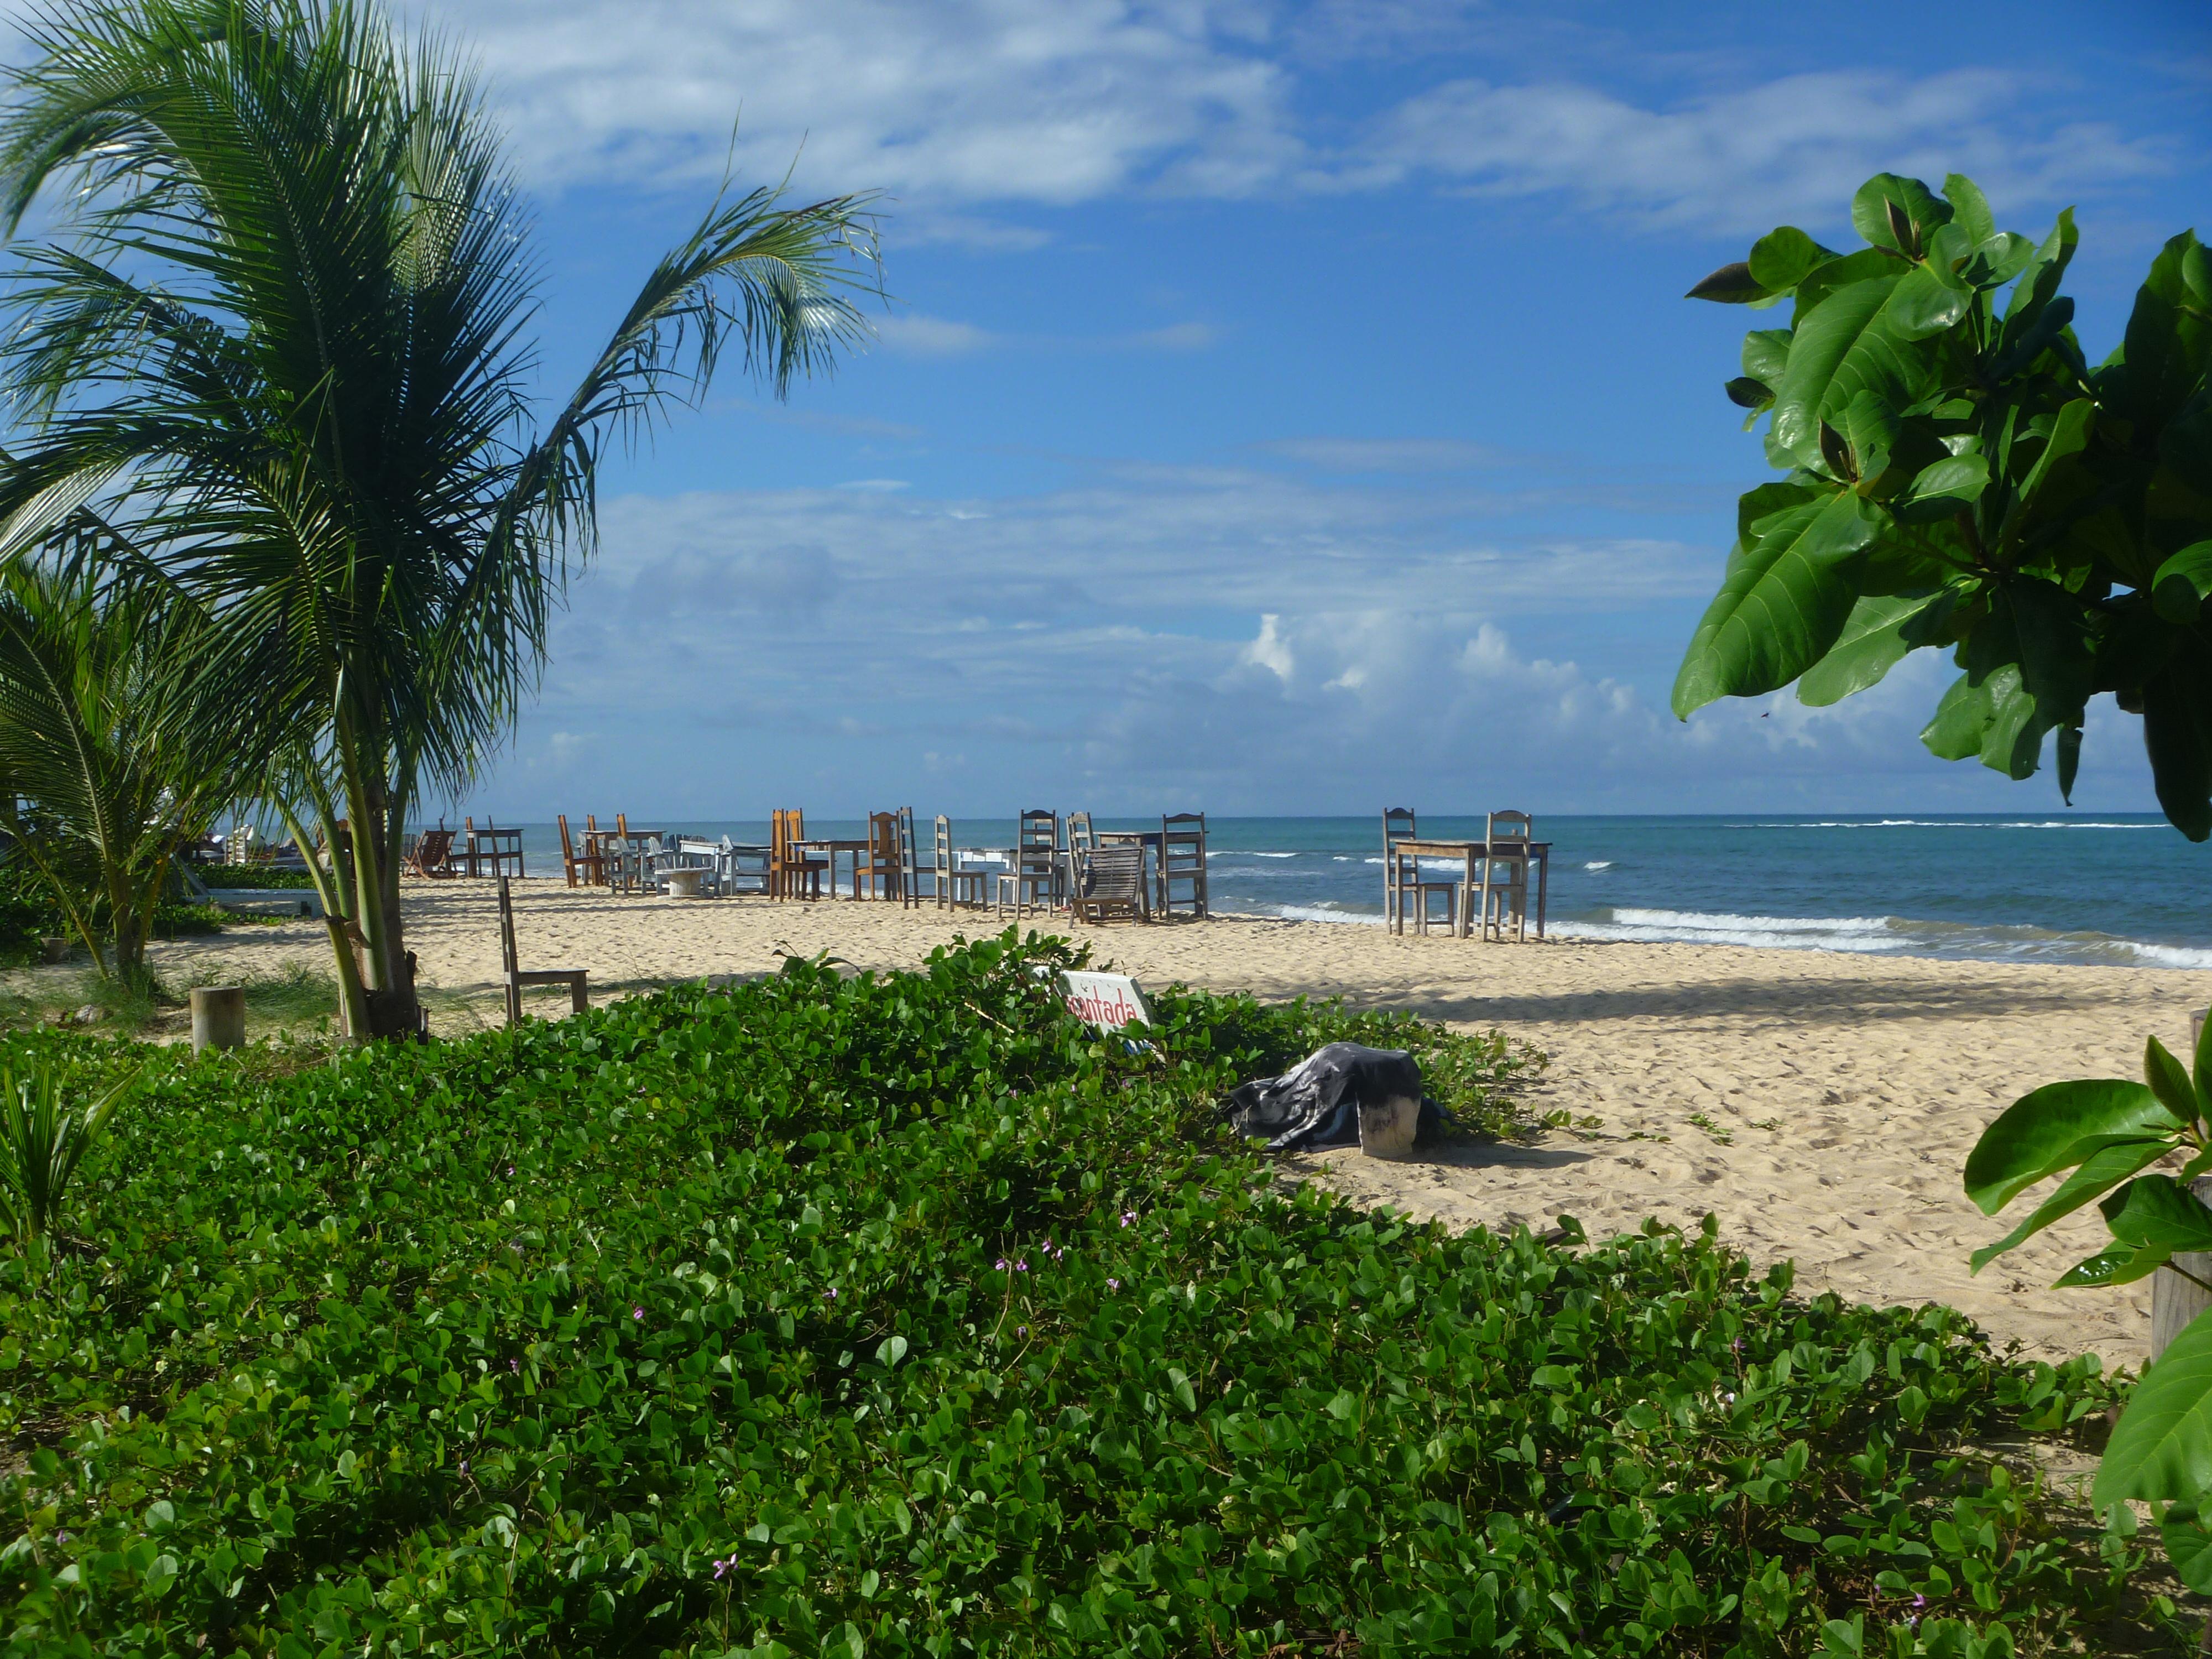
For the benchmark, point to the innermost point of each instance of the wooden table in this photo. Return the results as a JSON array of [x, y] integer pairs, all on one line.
[[493, 848], [832, 845], [1538, 852]]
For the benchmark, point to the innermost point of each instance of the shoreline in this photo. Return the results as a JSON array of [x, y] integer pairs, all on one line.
[[1820, 1103]]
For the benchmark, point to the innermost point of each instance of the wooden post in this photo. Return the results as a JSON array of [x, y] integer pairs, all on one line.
[[2173, 1300], [218, 1017]]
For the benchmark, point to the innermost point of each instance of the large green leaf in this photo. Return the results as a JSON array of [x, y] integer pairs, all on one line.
[[2188, 1543], [2069, 436], [2177, 709], [1782, 603], [2040, 1134], [1970, 209], [2162, 1449], [2112, 1162], [2169, 335], [2178, 590], [1784, 258], [1886, 204], [2156, 1209], [2121, 1264], [2169, 1080], [2038, 283], [1943, 489], [1766, 354], [1864, 337], [1990, 716], [1877, 636]]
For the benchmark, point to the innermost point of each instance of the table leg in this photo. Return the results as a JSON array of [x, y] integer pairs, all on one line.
[[1543, 885], [1467, 896]]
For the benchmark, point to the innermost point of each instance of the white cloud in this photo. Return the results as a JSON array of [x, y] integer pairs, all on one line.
[[932, 337], [973, 101], [964, 110], [1797, 146]]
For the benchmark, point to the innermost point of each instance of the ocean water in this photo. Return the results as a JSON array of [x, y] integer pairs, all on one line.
[[2115, 889]]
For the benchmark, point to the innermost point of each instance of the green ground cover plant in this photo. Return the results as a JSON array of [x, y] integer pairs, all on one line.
[[848, 1315]]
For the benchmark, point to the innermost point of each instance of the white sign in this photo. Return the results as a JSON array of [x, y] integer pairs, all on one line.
[[1109, 1001]]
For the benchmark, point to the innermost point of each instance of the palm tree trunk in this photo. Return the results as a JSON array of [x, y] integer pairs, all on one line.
[[389, 1006]]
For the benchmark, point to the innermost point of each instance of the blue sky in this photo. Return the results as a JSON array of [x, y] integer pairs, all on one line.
[[1282, 407]]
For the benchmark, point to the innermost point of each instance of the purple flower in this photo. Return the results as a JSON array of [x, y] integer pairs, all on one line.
[[1128, 1218], [1021, 1330], [1919, 1602], [1113, 1284], [465, 1465], [637, 1313], [1022, 1265], [514, 1365], [720, 1566], [510, 1169], [831, 1293], [1000, 1264]]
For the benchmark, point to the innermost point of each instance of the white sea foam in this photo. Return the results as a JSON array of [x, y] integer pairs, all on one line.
[[1949, 824], [1325, 913], [1599, 863]]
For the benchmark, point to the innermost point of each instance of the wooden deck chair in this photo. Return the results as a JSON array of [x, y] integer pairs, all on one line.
[[879, 864], [1183, 863], [574, 978], [432, 854], [1505, 896], [1108, 880]]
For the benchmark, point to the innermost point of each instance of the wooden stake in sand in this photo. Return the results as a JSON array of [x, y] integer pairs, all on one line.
[[218, 1017]]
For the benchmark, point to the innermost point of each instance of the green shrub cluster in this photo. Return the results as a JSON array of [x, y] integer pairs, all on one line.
[[28, 913], [835, 1314]]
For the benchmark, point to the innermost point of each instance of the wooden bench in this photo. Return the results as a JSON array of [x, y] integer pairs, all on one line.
[[574, 978]]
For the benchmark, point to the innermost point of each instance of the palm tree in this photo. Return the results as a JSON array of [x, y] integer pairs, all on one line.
[[98, 789], [286, 351]]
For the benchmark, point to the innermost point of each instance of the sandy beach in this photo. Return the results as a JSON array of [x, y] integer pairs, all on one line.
[[1837, 1093]]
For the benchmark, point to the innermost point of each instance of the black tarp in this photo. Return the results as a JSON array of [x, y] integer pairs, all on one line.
[[1316, 1102]]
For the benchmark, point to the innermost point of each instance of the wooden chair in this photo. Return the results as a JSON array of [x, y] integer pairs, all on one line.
[[791, 872], [1403, 883], [432, 854], [1183, 862], [1034, 882], [1104, 880], [574, 978], [1504, 895], [954, 885], [879, 864], [912, 872], [586, 865]]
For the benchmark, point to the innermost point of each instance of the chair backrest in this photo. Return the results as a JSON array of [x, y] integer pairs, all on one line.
[[882, 841], [1398, 824], [568, 847], [779, 835], [1115, 873], [1180, 841], [1037, 839], [506, 926], [1510, 827], [622, 825], [1080, 837], [909, 856], [944, 845]]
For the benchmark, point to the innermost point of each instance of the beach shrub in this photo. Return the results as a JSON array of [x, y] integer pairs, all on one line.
[[845, 1314], [43, 1139], [2104, 1131], [1956, 476]]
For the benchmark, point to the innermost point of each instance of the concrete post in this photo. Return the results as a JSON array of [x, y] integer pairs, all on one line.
[[218, 1017]]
